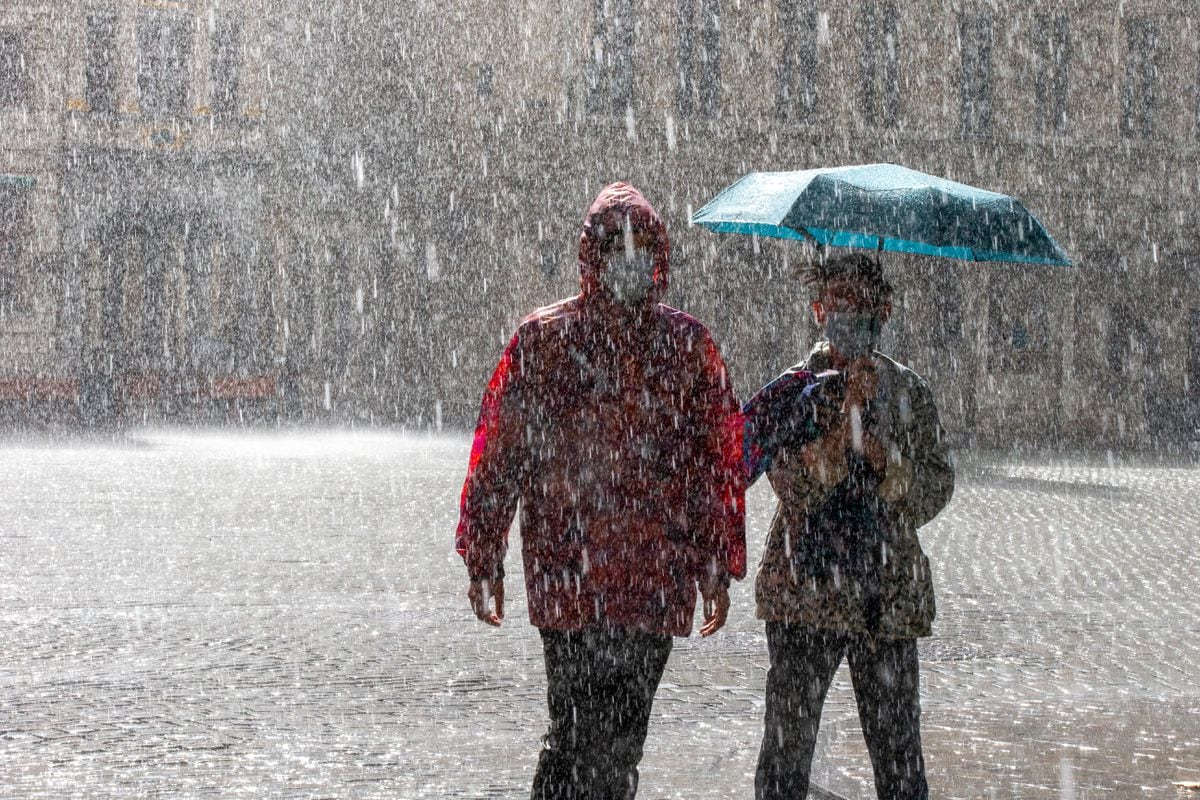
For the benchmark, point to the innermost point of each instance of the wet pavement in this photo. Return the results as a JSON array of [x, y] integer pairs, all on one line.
[[209, 614]]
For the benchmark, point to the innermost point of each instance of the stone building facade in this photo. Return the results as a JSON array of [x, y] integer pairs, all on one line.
[[334, 212]]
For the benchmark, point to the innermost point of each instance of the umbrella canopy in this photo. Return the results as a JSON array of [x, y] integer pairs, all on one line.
[[884, 207]]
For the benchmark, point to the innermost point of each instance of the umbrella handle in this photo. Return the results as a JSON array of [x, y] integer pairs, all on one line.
[[821, 250]]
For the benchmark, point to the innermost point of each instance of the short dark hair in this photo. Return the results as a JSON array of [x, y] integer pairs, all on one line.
[[854, 267]]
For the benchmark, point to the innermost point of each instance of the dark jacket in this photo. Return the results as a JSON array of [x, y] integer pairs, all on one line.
[[618, 432]]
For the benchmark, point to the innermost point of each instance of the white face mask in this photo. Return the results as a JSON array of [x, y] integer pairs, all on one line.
[[628, 274]]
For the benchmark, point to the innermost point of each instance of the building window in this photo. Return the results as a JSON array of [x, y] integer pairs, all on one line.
[[100, 69], [1020, 334], [948, 308], [15, 238], [399, 74], [699, 88], [881, 63], [549, 258], [1051, 80], [1141, 75], [226, 65], [1119, 339], [1017, 342], [796, 73], [151, 330], [484, 80], [1193, 369], [1197, 100], [14, 71], [164, 52], [975, 86], [610, 63]]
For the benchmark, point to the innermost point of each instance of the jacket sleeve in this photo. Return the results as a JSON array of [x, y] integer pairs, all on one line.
[[718, 500], [796, 408], [932, 483], [493, 484], [777, 417]]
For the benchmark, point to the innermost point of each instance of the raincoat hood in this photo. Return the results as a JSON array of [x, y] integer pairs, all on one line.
[[617, 203]]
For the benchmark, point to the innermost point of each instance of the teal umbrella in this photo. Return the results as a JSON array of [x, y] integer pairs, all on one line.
[[883, 207]]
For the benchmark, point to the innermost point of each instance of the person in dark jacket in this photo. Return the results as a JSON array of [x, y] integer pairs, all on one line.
[[851, 443], [611, 421]]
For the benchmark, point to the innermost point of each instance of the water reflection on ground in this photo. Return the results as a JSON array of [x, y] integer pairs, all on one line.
[[214, 614]]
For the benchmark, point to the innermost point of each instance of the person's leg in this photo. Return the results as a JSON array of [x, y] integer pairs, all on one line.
[[634, 661], [886, 687], [600, 687], [803, 662], [558, 772]]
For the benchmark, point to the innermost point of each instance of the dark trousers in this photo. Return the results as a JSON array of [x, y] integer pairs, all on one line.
[[600, 685], [884, 673]]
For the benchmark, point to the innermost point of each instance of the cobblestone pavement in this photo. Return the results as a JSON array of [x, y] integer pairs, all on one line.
[[214, 615]]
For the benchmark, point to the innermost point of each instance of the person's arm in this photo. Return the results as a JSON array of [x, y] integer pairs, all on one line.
[[492, 487], [774, 418], [921, 484], [804, 474], [718, 503]]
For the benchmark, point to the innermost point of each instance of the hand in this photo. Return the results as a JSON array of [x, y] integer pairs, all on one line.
[[480, 593], [716, 604], [862, 383], [862, 386], [825, 458], [898, 479], [876, 454]]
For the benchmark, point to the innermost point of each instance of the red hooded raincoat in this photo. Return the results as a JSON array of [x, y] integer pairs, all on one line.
[[618, 431]]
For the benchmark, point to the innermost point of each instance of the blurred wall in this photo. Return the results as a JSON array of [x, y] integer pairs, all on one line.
[[349, 208]]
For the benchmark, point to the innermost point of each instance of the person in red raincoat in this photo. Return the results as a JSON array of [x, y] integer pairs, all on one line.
[[611, 421]]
